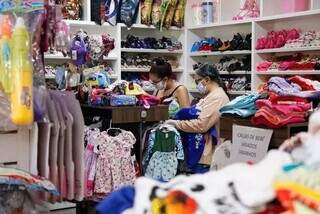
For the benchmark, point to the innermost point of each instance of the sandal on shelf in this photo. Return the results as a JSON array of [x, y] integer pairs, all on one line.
[[225, 46]]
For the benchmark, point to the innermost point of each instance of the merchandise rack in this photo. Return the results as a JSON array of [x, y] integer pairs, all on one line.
[[270, 18], [224, 27]]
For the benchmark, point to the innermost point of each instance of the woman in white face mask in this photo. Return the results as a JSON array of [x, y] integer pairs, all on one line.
[[214, 97], [167, 88]]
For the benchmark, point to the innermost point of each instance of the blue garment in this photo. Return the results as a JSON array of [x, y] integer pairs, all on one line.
[[148, 154], [243, 106], [201, 169], [193, 143], [117, 202]]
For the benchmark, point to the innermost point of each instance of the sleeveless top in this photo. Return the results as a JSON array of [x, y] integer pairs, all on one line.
[[173, 103]]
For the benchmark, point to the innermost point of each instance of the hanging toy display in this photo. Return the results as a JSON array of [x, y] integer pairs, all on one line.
[[15, 60]]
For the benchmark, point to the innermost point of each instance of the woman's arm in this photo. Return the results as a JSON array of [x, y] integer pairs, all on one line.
[[182, 96]]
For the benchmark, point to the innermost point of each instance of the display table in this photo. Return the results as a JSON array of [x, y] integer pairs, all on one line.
[[127, 114], [278, 137]]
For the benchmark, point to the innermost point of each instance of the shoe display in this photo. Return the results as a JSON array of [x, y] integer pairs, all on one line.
[[145, 61], [295, 62], [279, 39], [231, 64], [151, 43], [239, 42]]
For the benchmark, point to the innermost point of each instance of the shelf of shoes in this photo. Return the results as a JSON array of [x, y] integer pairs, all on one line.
[[306, 42], [162, 51], [229, 73], [219, 53], [135, 69], [284, 73], [59, 56]]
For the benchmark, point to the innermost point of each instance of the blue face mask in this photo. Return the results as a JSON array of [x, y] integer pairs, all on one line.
[[201, 88]]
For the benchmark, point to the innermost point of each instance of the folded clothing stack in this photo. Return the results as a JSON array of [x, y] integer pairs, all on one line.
[[289, 102], [290, 62], [243, 106], [238, 42]]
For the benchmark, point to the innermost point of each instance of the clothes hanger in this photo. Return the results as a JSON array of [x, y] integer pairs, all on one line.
[[116, 131]]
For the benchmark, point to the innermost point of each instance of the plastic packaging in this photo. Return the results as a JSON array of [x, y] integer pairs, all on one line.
[[21, 97], [16, 68]]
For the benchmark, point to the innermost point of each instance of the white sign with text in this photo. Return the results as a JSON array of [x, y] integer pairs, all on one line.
[[249, 144]]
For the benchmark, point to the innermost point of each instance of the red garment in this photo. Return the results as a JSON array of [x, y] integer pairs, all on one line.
[[303, 83], [284, 109], [268, 117], [301, 66], [277, 99]]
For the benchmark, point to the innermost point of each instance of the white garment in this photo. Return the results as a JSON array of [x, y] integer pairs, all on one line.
[[215, 191]]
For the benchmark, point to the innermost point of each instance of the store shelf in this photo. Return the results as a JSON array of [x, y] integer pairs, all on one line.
[[221, 24], [131, 69], [134, 50], [59, 56], [286, 50], [295, 15], [282, 73], [219, 53], [142, 26], [50, 76], [229, 73], [80, 23]]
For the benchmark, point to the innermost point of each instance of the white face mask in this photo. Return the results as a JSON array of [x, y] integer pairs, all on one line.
[[160, 85], [201, 88]]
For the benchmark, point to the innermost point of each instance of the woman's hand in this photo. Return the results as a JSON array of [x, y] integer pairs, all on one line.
[[171, 122]]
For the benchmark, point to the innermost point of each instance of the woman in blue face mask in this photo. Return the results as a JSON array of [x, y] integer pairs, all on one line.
[[200, 122], [167, 88]]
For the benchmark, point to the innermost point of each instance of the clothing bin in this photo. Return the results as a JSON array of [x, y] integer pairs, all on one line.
[[289, 6]]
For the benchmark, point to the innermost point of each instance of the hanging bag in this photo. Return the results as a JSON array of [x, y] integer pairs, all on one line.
[[109, 12], [129, 11]]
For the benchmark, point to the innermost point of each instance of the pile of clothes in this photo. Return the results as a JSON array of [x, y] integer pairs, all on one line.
[[286, 180], [289, 101], [121, 93], [242, 106], [16, 188]]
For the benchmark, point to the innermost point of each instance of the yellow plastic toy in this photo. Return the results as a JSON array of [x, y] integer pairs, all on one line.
[[21, 96]]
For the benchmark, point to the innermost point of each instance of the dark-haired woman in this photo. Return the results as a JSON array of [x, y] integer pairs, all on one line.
[[201, 121], [167, 88]]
